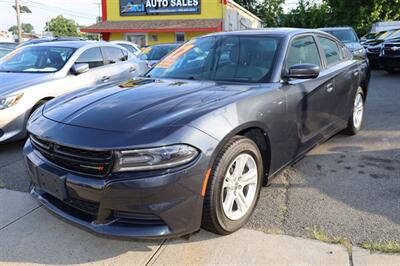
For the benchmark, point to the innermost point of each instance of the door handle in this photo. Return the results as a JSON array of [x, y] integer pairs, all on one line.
[[329, 87], [132, 69], [105, 78], [355, 73]]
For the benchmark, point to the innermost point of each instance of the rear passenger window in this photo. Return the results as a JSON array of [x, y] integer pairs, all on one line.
[[331, 51], [113, 55], [128, 47], [303, 50], [91, 56]]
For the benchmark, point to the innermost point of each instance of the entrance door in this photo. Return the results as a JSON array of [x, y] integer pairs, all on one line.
[[139, 39]]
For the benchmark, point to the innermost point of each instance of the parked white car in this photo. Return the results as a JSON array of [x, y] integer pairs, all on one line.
[[131, 47], [34, 74]]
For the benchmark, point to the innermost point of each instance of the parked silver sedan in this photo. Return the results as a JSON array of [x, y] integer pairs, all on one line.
[[32, 75]]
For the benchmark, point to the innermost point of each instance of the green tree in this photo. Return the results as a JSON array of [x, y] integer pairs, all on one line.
[[270, 11], [61, 26], [248, 4], [360, 14], [308, 14], [26, 27]]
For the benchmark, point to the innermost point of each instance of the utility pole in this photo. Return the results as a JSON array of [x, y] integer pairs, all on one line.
[[17, 10], [99, 7]]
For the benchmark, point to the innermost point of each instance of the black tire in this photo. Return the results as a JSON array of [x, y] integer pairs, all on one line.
[[351, 129], [214, 218]]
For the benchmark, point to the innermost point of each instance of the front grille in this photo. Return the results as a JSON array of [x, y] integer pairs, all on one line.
[[374, 50], [95, 163], [392, 49], [135, 218]]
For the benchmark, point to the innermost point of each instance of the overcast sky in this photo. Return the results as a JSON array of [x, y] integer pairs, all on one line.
[[82, 11]]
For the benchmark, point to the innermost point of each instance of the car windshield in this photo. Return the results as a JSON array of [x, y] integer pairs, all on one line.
[[386, 34], [156, 52], [36, 59], [346, 36], [222, 58], [3, 52], [395, 35]]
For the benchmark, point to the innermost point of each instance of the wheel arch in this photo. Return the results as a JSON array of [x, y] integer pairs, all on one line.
[[256, 132], [40, 102]]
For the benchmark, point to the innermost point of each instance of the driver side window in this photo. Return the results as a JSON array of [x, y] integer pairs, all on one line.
[[92, 56], [303, 50]]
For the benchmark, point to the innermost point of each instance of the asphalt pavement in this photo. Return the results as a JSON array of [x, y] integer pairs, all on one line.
[[348, 187]]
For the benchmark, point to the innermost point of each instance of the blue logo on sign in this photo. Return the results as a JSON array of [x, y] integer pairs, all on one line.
[[133, 8]]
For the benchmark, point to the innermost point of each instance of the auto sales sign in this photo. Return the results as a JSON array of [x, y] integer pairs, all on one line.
[[159, 7]]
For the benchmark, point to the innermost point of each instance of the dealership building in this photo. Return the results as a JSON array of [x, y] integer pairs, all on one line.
[[148, 22]]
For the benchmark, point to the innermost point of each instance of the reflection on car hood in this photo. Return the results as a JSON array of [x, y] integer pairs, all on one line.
[[353, 46], [393, 40], [372, 43], [13, 82], [140, 104]]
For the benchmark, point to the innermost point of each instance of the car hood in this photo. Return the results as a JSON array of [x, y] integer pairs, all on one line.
[[394, 40], [373, 42], [13, 82], [353, 46], [140, 104]]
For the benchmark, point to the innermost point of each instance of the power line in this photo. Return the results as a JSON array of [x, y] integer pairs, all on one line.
[[58, 10]]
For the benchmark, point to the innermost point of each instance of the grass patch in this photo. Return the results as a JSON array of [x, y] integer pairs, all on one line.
[[388, 247], [321, 235], [283, 211]]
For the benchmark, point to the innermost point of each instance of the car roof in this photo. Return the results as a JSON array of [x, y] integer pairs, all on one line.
[[75, 44], [278, 32], [336, 28]]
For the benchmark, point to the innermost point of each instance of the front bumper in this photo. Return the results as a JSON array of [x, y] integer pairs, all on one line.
[[392, 62], [373, 58], [12, 123], [158, 205]]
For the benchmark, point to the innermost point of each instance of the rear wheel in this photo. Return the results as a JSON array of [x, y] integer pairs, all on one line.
[[357, 115], [233, 187]]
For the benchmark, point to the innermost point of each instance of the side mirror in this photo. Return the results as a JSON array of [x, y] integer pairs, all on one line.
[[303, 71], [80, 68], [363, 38]]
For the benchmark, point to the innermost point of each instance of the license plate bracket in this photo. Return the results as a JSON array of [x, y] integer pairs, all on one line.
[[52, 184]]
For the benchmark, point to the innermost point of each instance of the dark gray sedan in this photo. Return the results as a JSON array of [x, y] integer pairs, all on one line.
[[191, 144]]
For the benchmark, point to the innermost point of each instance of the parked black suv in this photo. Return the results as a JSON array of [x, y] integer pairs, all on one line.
[[390, 54], [374, 46]]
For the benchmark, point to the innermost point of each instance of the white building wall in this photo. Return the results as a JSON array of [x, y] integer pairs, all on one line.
[[239, 18]]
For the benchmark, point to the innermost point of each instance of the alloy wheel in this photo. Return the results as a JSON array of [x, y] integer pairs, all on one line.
[[358, 111], [239, 186]]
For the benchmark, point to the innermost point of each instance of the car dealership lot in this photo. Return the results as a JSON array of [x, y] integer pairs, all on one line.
[[348, 187]]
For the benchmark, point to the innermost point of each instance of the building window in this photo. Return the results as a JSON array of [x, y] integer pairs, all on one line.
[[154, 38], [180, 37]]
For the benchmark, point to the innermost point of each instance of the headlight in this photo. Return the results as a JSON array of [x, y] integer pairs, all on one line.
[[9, 101], [359, 52], [155, 158]]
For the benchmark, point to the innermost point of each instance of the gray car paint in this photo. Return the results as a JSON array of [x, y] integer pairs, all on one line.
[[293, 116]]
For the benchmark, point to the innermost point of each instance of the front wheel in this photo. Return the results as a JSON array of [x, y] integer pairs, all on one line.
[[356, 118], [233, 187]]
